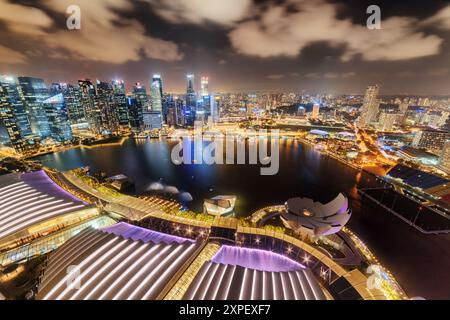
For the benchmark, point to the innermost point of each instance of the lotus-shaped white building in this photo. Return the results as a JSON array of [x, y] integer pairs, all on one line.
[[314, 218]]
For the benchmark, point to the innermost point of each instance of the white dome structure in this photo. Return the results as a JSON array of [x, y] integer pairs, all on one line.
[[314, 218]]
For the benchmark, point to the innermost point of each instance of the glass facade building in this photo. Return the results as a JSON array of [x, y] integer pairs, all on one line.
[[12, 90], [58, 118], [34, 92], [120, 99]]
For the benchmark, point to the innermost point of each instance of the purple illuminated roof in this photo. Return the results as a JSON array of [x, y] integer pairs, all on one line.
[[129, 231], [255, 259], [40, 181]]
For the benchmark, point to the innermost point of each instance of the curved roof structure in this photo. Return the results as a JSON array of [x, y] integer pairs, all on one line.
[[31, 199], [100, 265], [216, 281], [416, 178], [256, 259], [315, 218], [137, 233]]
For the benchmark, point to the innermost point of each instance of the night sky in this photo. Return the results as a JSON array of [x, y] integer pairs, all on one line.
[[310, 46]]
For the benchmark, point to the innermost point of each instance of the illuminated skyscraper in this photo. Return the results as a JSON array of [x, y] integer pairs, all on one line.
[[156, 93], [369, 111], [12, 90], [90, 104], [204, 86], [8, 121], [34, 92], [58, 118], [72, 99], [215, 108], [135, 113], [191, 102], [190, 84], [108, 107], [315, 111], [120, 100], [140, 94]]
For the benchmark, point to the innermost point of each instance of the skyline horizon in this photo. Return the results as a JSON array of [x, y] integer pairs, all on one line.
[[180, 90]]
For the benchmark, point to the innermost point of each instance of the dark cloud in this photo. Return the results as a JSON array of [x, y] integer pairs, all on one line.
[[317, 46]]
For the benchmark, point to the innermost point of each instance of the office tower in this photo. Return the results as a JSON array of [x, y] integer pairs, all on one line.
[[204, 86], [156, 93], [157, 98], [135, 114], [140, 94], [315, 111], [72, 99], [34, 92], [170, 103], [58, 118], [191, 102], [120, 100], [444, 159], [431, 140], [12, 91], [8, 122], [90, 104], [206, 104], [179, 111], [107, 106], [369, 109], [157, 78], [200, 111], [386, 121], [211, 112]]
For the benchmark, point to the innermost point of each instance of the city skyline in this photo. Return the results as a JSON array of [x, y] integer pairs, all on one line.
[[192, 150], [174, 39]]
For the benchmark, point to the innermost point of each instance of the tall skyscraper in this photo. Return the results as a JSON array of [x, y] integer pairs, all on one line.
[[140, 94], [58, 118], [8, 122], [135, 113], [369, 111], [179, 108], [72, 99], [12, 90], [315, 111], [216, 100], [191, 102], [34, 92], [156, 93], [120, 99], [204, 86], [90, 104], [107, 106]]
